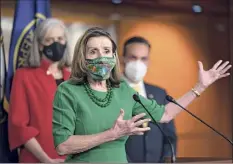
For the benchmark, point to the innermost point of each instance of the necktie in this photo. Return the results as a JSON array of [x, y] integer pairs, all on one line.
[[137, 88]]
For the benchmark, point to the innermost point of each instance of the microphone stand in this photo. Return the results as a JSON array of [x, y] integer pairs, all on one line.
[[137, 99], [170, 99]]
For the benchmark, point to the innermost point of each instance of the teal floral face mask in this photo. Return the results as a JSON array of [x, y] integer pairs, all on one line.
[[100, 68]]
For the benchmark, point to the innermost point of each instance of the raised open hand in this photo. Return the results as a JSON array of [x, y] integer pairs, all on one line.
[[218, 71]]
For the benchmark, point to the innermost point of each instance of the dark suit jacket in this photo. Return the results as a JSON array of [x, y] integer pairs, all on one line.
[[152, 146]]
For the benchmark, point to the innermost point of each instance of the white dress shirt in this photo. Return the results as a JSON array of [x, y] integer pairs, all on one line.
[[139, 87]]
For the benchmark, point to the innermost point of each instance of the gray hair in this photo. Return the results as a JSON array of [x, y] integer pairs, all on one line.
[[34, 57]]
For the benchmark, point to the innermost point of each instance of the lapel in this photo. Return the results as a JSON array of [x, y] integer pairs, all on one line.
[[66, 73], [148, 92]]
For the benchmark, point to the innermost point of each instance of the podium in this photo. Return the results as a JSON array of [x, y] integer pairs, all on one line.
[[203, 160]]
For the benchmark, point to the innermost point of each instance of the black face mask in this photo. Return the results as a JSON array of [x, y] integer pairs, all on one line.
[[54, 51]]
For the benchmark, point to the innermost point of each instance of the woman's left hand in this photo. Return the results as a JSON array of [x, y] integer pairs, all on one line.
[[218, 71]]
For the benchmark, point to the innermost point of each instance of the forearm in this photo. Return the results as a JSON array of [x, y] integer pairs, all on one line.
[[171, 109], [80, 143], [34, 147]]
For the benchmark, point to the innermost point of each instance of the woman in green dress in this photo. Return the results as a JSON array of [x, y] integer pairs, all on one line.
[[94, 112]]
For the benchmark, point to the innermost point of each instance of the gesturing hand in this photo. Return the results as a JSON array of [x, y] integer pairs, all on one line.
[[129, 127], [218, 71]]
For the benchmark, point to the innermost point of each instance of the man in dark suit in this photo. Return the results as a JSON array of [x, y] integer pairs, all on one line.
[[152, 147]]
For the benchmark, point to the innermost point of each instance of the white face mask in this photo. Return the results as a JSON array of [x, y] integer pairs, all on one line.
[[135, 71]]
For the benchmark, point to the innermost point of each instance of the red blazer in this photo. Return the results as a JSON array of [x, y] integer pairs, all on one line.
[[30, 112]]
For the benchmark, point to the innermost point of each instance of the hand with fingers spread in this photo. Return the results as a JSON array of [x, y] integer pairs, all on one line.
[[205, 79], [123, 127], [218, 71]]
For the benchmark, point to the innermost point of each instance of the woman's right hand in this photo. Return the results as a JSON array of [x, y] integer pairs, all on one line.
[[129, 127]]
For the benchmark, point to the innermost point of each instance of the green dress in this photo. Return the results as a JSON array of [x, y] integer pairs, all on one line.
[[74, 113]]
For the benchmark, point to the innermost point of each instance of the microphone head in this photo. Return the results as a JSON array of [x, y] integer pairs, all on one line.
[[136, 98], [170, 99]]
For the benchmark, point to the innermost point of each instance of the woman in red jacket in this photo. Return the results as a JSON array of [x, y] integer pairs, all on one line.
[[33, 89]]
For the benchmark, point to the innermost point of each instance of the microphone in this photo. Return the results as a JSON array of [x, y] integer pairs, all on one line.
[[171, 99], [137, 99]]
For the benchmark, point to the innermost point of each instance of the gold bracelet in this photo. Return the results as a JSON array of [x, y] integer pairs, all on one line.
[[196, 92]]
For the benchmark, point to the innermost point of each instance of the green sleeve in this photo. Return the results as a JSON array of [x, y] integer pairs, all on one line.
[[151, 105], [63, 115]]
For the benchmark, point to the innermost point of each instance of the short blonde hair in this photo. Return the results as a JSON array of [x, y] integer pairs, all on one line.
[[34, 58], [79, 70]]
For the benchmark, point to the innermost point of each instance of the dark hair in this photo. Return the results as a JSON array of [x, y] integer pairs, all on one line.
[[135, 39]]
